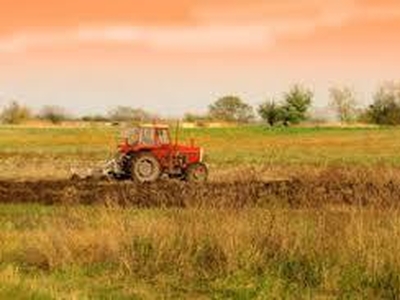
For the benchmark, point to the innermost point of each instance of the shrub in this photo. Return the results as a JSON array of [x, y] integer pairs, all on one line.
[[385, 109], [343, 101], [95, 118], [15, 113], [128, 114], [192, 118], [54, 114], [292, 110], [271, 112]]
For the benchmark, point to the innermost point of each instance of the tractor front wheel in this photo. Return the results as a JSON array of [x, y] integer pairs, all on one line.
[[145, 168], [197, 173]]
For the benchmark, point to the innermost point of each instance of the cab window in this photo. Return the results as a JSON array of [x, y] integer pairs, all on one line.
[[133, 136], [148, 136], [163, 137]]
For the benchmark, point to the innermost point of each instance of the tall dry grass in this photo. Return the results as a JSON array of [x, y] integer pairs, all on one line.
[[336, 252]]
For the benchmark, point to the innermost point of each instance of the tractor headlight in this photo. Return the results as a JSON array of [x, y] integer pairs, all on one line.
[[201, 155]]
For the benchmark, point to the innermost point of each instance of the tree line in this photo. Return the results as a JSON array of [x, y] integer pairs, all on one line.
[[16, 113], [293, 107]]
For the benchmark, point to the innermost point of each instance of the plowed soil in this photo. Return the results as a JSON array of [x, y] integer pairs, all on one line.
[[313, 191]]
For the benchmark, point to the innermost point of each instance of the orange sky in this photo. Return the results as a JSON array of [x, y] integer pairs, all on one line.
[[233, 42]]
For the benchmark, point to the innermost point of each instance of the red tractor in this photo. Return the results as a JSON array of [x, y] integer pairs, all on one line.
[[147, 153]]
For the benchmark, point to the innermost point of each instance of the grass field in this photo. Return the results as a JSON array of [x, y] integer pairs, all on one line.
[[54, 151], [333, 246]]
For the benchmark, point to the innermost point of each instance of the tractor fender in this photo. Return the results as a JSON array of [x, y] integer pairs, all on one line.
[[133, 154]]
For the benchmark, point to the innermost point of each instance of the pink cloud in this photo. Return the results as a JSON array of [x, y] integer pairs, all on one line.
[[218, 29]]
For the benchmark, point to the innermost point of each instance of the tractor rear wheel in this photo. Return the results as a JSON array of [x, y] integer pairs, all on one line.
[[197, 173], [145, 168]]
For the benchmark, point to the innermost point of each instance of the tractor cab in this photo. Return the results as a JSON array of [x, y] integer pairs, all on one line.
[[147, 152], [147, 135]]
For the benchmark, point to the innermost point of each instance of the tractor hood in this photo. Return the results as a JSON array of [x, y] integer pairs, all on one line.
[[191, 153]]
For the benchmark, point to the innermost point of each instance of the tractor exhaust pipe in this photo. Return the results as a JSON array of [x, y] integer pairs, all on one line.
[[177, 134]]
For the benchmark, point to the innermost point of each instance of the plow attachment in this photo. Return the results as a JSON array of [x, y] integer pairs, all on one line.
[[109, 170]]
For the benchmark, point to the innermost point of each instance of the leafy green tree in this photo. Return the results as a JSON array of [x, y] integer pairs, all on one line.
[[271, 112], [15, 113], [343, 101], [231, 109], [385, 109], [296, 105]]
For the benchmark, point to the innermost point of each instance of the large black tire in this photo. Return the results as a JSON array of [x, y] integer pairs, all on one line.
[[197, 173], [145, 168]]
